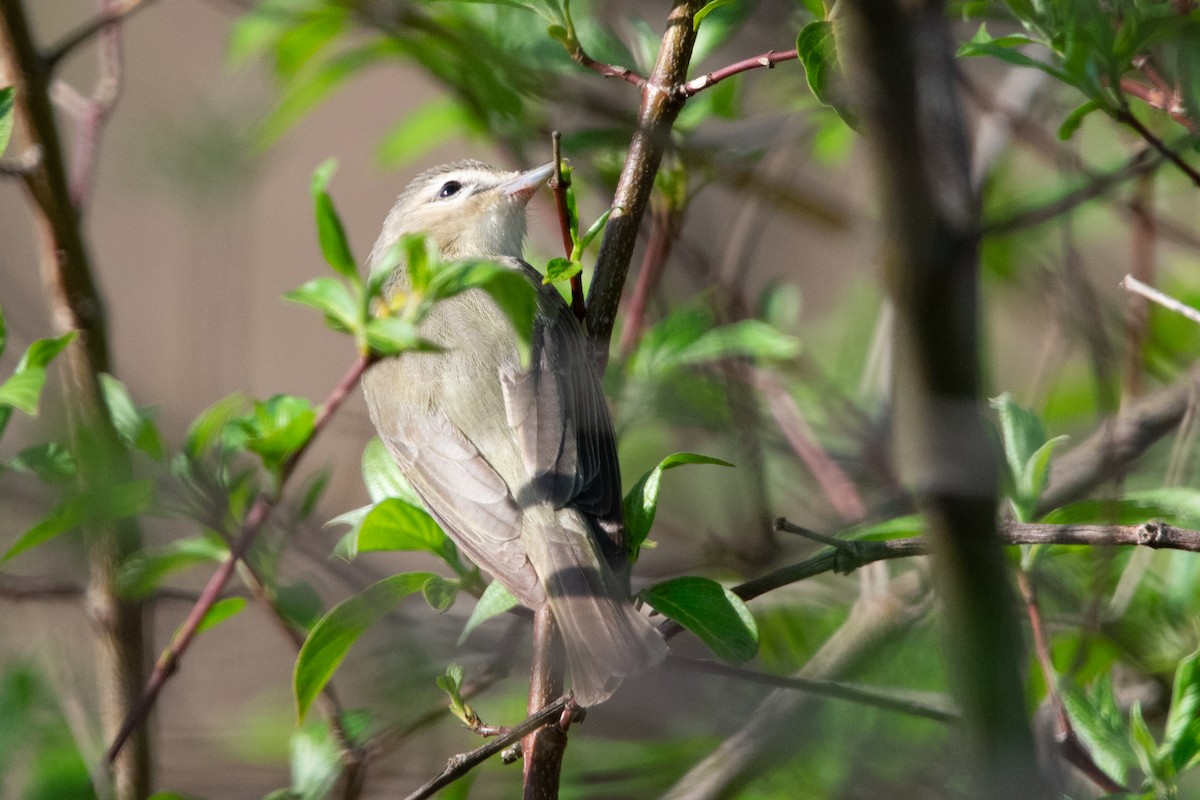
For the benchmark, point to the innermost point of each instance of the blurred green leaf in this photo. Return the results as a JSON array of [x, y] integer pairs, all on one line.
[[749, 338], [389, 336], [641, 504], [98, 506], [817, 51], [1101, 727], [706, 9], [330, 232], [424, 128], [299, 604], [1004, 48], [50, 462], [1075, 119], [1181, 740], [709, 610], [23, 389], [494, 601], [511, 291], [1144, 747], [221, 611], [145, 569], [206, 431], [134, 424], [6, 123], [316, 761], [331, 638]]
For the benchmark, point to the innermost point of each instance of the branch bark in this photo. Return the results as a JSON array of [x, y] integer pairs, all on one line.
[[76, 305], [661, 104]]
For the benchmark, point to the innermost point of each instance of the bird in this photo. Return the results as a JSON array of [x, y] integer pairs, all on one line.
[[517, 463]]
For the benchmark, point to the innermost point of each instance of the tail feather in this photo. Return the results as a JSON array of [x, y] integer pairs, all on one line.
[[604, 636]]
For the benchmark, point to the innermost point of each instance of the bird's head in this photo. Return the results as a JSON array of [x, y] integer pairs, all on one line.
[[468, 209]]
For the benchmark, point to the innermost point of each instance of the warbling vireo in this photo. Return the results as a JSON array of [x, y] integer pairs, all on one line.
[[518, 465]]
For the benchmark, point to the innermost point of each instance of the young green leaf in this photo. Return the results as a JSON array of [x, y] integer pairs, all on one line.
[[561, 269], [135, 425], [1075, 119], [331, 638], [394, 524], [1144, 747], [596, 228], [331, 298], [641, 503], [440, 593], [424, 128], [420, 259], [24, 388], [706, 9], [142, 573], [750, 338], [494, 601], [390, 336], [277, 428], [1101, 727], [50, 462], [97, 506], [330, 232], [709, 610]]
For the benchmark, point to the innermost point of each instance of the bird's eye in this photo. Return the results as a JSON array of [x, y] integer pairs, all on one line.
[[449, 189]]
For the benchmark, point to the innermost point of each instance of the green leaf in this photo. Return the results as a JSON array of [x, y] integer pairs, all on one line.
[[817, 51], [561, 269], [331, 638], [750, 338], [23, 389], [98, 506], [394, 524], [424, 128], [330, 232], [144, 571], [299, 604], [278, 428], [1101, 727], [709, 610], [206, 432], [420, 257], [1004, 48], [1021, 433], [50, 462], [706, 9], [389, 336], [494, 601], [511, 291], [331, 298], [1035, 476], [1075, 119], [1181, 739], [134, 425], [641, 504], [220, 611], [1144, 747], [382, 477], [6, 122], [592, 232], [440, 593]]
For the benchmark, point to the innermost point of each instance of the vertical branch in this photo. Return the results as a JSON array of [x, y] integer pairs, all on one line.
[[543, 749], [1137, 308], [661, 103], [900, 58], [75, 305]]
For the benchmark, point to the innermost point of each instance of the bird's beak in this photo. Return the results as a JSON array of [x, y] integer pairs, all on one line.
[[525, 184]]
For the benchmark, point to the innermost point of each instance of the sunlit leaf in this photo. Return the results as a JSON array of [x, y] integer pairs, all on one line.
[[494, 601], [709, 610], [561, 269], [330, 232], [6, 121], [641, 503], [134, 424], [332, 298], [221, 611]]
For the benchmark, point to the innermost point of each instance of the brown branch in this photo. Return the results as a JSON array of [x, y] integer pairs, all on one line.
[[543, 749], [576, 51], [664, 230], [660, 106], [75, 38], [1160, 97], [768, 60], [253, 522], [461, 764], [18, 588]]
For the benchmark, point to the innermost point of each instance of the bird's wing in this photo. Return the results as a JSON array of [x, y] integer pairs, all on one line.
[[558, 412], [467, 497]]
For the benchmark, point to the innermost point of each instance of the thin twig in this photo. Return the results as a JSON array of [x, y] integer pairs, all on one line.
[[255, 518], [768, 60], [459, 765], [1132, 284], [560, 183], [607, 70], [863, 695], [64, 46], [1128, 117]]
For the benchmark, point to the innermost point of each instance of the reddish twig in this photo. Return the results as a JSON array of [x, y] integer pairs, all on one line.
[[1064, 733], [579, 56], [768, 60], [255, 518], [664, 230], [1160, 96], [543, 748], [98, 108], [560, 183]]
